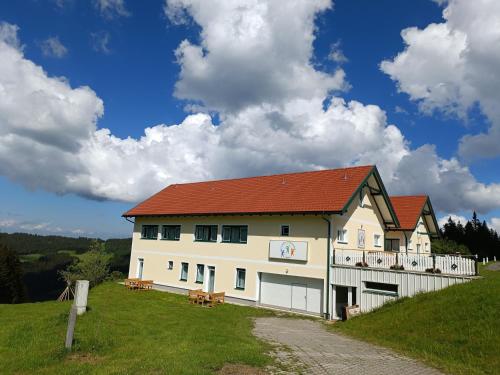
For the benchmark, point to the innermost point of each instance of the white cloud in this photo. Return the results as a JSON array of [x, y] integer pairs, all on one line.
[[8, 35], [454, 65], [494, 223], [336, 54], [111, 8], [456, 218], [250, 53], [299, 126], [53, 47], [100, 41]]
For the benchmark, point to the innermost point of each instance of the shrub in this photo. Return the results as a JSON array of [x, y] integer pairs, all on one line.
[[397, 267], [361, 264]]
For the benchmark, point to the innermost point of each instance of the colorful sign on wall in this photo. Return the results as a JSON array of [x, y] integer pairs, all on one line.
[[291, 250]]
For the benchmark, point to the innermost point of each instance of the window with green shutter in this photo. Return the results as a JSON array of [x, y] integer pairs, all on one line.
[[171, 232], [149, 232], [205, 233]]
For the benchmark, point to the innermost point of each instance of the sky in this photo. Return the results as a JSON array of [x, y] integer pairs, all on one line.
[[105, 102]]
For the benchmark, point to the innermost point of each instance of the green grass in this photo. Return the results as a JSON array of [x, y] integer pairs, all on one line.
[[30, 257], [456, 329], [127, 332]]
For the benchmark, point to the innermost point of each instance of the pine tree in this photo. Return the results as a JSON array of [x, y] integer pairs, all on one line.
[[11, 277]]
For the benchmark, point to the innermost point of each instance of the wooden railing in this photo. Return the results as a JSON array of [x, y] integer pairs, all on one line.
[[435, 263]]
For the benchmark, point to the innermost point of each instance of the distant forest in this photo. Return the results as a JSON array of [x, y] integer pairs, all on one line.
[[43, 256], [473, 237]]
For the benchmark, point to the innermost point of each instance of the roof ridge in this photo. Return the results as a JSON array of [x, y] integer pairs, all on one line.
[[273, 175]]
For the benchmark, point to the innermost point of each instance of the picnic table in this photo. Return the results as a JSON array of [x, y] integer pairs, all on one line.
[[200, 297], [138, 284]]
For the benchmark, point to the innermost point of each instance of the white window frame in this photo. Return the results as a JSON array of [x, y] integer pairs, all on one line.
[[187, 271], [375, 242], [218, 237], [236, 278], [410, 244], [198, 273], [344, 239], [170, 265], [418, 248], [281, 230]]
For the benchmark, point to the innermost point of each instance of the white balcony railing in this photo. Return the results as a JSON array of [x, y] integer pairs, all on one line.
[[446, 264]]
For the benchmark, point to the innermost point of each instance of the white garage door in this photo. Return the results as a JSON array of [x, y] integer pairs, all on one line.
[[291, 292]]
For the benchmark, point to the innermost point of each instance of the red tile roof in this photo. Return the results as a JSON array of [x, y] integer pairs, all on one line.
[[318, 191], [408, 209]]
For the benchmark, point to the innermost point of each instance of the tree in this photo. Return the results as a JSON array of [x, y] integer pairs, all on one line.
[[445, 246], [11, 277], [92, 266]]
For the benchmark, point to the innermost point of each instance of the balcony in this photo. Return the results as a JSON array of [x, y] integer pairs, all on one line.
[[432, 263]]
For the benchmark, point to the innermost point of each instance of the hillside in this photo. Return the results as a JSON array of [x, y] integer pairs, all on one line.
[[43, 256], [456, 329], [129, 332]]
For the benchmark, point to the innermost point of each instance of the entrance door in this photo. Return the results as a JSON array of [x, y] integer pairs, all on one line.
[[211, 279], [140, 267], [299, 297], [341, 299]]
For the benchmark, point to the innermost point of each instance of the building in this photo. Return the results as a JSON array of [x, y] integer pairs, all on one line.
[[268, 240], [417, 225]]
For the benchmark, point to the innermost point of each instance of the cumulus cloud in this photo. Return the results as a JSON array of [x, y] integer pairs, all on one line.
[[250, 53], [52, 47], [297, 124], [494, 223], [456, 218], [111, 8], [453, 66]]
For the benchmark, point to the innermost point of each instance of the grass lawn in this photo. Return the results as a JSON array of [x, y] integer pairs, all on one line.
[[29, 257], [456, 329], [127, 332]]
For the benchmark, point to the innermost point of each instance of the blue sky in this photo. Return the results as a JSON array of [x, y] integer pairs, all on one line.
[[126, 55]]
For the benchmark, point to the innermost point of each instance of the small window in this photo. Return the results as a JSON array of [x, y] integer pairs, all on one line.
[[418, 248], [171, 232], [234, 233], [149, 232], [426, 247], [170, 264], [382, 287], [206, 233], [240, 278], [377, 240], [342, 235], [285, 230], [410, 245], [200, 271], [184, 271]]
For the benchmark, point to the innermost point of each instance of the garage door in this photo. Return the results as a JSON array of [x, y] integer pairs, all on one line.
[[291, 292]]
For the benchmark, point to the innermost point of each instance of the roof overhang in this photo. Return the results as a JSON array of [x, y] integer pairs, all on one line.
[[373, 182]]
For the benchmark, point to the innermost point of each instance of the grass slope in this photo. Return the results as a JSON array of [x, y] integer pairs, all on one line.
[[129, 332], [456, 329]]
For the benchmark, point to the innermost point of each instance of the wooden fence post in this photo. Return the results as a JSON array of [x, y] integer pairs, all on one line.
[[476, 268], [71, 328], [433, 261], [364, 262]]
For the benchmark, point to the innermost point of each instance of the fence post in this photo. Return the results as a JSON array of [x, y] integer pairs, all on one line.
[[433, 261], [71, 328], [397, 258], [364, 262], [81, 293], [476, 268]]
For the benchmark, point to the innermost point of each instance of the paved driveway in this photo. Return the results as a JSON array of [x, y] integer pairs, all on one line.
[[323, 352]]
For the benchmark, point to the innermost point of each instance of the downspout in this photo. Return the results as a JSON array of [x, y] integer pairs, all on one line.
[[327, 307], [406, 242]]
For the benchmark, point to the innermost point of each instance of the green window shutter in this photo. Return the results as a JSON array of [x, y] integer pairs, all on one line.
[[243, 234]]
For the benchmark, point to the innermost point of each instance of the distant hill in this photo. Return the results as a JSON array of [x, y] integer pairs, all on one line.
[[43, 256]]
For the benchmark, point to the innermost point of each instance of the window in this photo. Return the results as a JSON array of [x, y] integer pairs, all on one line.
[[342, 235], [410, 245], [240, 278], [206, 233], [184, 271], [200, 271], [392, 244], [376, 240], [149, 232], [426, 247], [285, 230], [170, 265], [418, 248], [171, 232], [381, 287], [234, 233]]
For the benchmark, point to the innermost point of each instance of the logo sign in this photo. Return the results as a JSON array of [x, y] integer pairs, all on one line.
[[290, 250]]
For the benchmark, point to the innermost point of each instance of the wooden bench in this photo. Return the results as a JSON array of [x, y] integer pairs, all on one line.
[[202, 297], [131, 283], [145, 284], [215, 298], [193, 295]]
